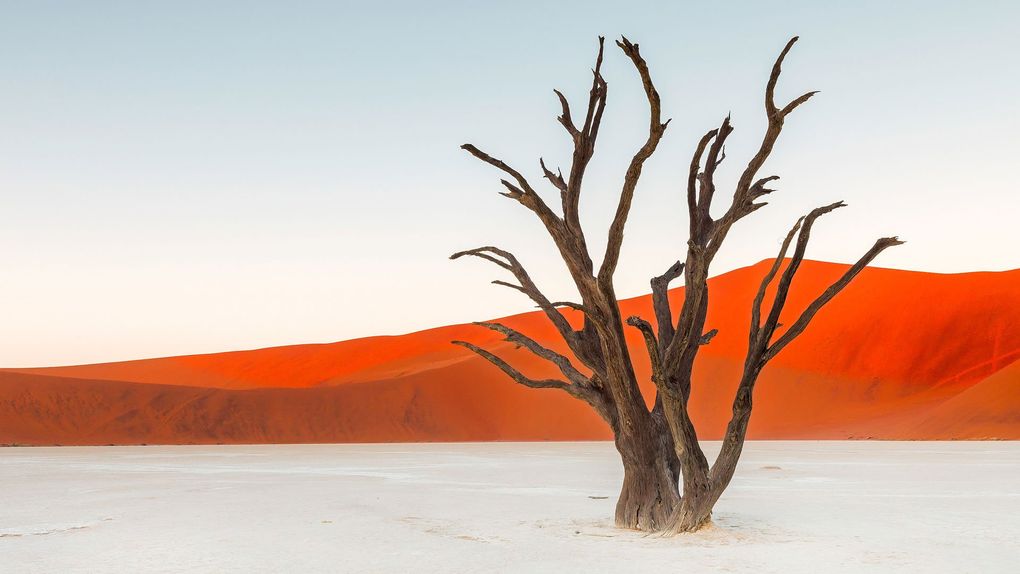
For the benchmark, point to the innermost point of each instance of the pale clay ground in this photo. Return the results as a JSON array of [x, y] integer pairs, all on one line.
[[500, 507]]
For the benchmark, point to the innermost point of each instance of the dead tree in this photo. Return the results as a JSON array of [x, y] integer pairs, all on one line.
[[668, 484]]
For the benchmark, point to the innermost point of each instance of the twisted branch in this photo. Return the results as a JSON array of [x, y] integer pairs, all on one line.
[[805, 318], [514, 374], [660, 302], [656, 128], [783, 289]]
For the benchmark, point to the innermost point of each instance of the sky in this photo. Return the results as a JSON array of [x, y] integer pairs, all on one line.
[[190, 177]]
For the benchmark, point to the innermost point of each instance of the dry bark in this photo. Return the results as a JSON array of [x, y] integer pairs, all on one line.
[[669, 485]]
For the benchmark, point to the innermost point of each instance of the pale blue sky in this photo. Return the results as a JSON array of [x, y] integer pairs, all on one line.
[[180, 177]]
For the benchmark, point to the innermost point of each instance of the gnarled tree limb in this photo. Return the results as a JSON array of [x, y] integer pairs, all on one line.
[[522, 191], [766, 281], [650, 344], [562, 363], [783, 289], [584, 141], [656, 128], [660, 302], [513, 373], [802, 322], [578, 341]]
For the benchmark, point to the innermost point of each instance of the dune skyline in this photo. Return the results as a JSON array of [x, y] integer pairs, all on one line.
[[194, 178], [929, 362]]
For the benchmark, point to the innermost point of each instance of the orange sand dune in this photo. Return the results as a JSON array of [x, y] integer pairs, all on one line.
[[992, 405], [899, 354], [42, 410]]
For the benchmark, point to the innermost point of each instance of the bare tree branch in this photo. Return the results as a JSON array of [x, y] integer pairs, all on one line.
[[596, 96], [514, 373], [805, 318], [760, 296], [650, 343], [707, 337], [584, 142], [770, 91], [555, 178], [510, 285], [706, 178], [783, 289], [655, 130], [707, 235], [660, 302], [522, 191], [590, 392], [693, 179], [759, 351], [527, 286], [564, 117], [562, 363], [570, 304], [747, 189]]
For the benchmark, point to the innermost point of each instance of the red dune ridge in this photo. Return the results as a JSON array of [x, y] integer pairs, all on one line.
[[898, 355]]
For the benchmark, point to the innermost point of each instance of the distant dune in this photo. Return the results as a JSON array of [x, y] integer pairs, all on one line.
[[898, 355]]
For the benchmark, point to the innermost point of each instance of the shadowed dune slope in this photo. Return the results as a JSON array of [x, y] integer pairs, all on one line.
[[899, 354], [991, 406], [41, 410]]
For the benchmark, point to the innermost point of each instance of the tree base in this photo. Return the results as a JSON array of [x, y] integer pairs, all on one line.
[[648, 499], [693, 514], [664, 525], [646, 512]]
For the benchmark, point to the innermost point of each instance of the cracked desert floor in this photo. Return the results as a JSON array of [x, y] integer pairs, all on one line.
[[802, 506]]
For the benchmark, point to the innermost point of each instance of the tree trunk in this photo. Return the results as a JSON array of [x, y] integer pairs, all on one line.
[[650, 492], [694, 512], [699, 492], [647, 500]]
